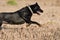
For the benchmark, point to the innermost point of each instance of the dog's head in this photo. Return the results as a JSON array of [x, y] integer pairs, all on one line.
[[36, 8]]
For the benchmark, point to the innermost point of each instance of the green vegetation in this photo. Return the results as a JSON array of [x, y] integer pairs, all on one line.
[[12, 2]]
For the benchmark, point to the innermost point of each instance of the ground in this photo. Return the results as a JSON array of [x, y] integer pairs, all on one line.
[[49, 20]]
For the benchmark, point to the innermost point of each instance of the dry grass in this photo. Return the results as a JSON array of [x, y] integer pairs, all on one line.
[[12, 2]]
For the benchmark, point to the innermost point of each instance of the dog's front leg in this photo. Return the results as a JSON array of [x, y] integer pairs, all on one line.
[[27, 20], [33, 22]]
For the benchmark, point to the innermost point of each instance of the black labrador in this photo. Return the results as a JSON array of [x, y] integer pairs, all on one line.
[[21, 16]]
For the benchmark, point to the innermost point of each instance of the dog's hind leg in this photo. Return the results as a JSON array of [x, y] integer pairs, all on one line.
[[0, 24]]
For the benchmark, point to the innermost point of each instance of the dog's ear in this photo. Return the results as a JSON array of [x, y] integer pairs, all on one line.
[[36, 3]]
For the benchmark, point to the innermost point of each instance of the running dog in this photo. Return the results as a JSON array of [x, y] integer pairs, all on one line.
[[21, 16]]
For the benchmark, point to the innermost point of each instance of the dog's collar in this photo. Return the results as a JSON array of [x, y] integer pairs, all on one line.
[[30, 9]]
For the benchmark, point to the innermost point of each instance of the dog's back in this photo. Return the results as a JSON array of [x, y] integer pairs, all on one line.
[[11, 18]]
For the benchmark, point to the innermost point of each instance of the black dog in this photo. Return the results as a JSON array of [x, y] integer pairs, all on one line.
[[21, 16]]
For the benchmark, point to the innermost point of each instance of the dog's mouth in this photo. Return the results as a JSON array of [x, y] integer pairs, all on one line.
[[39, 13]]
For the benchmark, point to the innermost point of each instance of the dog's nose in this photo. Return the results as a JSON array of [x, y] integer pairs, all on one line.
[[41, 11]]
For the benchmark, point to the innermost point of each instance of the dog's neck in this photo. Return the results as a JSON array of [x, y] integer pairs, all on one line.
[[30, 9]]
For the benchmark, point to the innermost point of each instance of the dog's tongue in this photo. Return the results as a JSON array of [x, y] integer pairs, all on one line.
[[38, 12]]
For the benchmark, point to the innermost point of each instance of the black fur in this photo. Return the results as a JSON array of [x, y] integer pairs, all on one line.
[[21, 16]]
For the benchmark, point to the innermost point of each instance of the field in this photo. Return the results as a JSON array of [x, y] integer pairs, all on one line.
[[49, 19]]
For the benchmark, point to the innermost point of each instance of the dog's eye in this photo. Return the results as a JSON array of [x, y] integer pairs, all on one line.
[[36, 7]]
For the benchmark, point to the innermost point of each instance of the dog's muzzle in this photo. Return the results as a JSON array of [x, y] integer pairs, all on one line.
[[39, 13]]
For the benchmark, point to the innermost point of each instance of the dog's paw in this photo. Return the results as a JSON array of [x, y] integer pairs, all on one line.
[[39, 25]]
